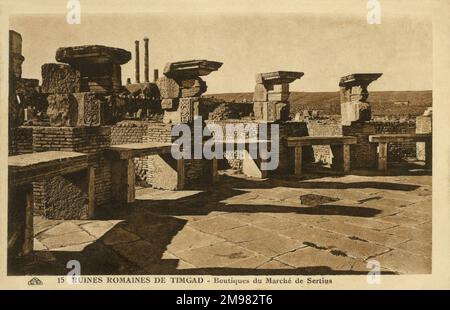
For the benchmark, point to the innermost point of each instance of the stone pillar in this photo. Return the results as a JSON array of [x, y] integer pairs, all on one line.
[[354, 94], [271, 96], [136, 62], [15, 53], [356, 115], [15, 113], [20, 220], [97, 67], [423, 125], [146, 61], [181, 88]]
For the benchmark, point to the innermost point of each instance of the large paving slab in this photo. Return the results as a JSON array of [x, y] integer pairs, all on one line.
[[315, 225]]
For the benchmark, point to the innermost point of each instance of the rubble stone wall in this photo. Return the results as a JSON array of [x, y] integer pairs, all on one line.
[[286, 129], [398, 151], [323, 127], [333, 127]]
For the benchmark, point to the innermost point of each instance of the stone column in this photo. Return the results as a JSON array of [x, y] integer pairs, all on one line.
[[356, 114], [271, 96], [155, 75], [136, 63], [423, 125], [146, 61], [354, 94]]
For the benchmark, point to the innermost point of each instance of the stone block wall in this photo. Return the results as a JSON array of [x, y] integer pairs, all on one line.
[[71, 202]]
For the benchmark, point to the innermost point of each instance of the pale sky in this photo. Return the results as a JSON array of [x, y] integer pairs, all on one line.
[[325, 47]]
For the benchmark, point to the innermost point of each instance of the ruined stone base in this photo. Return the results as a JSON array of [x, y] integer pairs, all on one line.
[[79, 109], [355, 112], [363, 155], [423, 125]]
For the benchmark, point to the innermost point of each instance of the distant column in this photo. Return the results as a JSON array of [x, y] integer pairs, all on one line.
[[137, 73], [146, 61], [155, 75]]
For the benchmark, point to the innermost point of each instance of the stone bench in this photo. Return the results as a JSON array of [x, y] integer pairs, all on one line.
[[384, 139], [299, 142], [123, 167], [28, 168]]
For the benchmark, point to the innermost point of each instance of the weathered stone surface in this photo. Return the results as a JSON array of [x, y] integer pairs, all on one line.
[[15, 53], [424, 124], [187, 109], [358, 79], [354, 95], [355, 112], [165, 172], [168, 88], [93, 109], [92, 54], [308, 257], [169, 104], [60, 79], [278, 77], [191, 68], [278, 96], [281, 88], [258, 108], [62, 110], [260, 94], [78, 109], [193, 87], [271, 111]]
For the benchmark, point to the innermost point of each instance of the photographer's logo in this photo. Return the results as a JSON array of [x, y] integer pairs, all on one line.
[[35, 281]]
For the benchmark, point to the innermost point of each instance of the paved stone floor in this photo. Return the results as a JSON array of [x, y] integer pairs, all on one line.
[[314, 225]]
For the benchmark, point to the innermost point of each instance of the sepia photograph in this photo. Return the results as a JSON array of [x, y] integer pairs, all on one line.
[[219, 144]]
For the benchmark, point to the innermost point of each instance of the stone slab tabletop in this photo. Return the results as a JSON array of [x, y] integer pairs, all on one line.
[[400, 138], [310, 140], [33, 159]]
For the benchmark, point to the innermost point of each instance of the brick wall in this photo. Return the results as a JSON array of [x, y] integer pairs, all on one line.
[[72, 202], [148, 131], [21, 141], [131, 132]]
